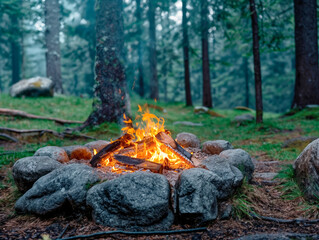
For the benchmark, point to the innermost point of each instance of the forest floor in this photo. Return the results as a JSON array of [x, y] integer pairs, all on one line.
[[277, 197]]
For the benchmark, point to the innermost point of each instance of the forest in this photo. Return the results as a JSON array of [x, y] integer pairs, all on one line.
[[153, 119]]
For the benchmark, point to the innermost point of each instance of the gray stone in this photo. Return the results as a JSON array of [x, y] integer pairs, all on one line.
[[307, 170], [27, 170], [226, 177], [78, 152], [188, 140], [97, 145], [244, 118], [137, 200], [195, 196], [240, 159], [33, 87], [53, 152], [64, 187], [216, 146]]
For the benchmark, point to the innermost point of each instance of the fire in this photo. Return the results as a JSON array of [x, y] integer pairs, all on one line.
[[144, 143]]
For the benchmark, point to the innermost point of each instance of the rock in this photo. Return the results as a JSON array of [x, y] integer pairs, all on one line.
[[64, 187], [97, 145], [78, 152], [188, 140], [27, 170], [53, 152], [244, 118], [307, 170], [216, 147], [226, 177], [298, 142], [138, 200], [188, 124], [33, 87], [201, 109], [240, 159], [195, 196]]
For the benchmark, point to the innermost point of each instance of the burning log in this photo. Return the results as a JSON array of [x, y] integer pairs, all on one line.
[[109, 149], [139, 163]]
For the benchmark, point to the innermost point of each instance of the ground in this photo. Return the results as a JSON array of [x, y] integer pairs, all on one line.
[[277, 198]]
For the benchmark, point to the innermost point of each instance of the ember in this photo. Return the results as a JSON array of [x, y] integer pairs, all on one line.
[[144, 145]]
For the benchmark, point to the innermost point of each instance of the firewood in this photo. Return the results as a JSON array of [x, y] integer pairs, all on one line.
[[110, 148], [139, 163]]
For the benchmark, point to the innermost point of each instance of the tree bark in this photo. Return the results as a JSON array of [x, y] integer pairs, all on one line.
[[188, 95], [153, 60], [307, 73], [53, 53], [110, 89], [207, 96], [257, 70], [139, 47], [246, 73]]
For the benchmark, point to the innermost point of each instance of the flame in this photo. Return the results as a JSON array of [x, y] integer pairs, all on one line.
[[145, 144]]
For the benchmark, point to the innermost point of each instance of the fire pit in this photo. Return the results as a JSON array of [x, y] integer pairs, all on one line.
[[143, 180]]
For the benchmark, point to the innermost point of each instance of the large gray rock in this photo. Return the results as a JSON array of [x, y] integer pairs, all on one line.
[[53, 152], [64, 187], [78, 152], [240, 159], [188, 140], [226, 176], [33, 87], [195, 196], [307, 170], [27, 170], [138, 200], [216, 146], [97, 145]]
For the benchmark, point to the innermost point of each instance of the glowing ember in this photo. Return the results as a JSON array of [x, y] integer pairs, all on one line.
[[144, 143]]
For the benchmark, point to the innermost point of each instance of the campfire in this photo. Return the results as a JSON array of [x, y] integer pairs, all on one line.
[[144, 145]]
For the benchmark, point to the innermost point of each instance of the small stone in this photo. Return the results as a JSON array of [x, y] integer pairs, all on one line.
[[240, 159], [188, 140], [27, 170], [78, 152], [97, 145], [216, 147], [195, 196], [53, 152], [138, 201], [64, 187]]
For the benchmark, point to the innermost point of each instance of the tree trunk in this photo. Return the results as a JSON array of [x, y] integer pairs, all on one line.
[[207, 96], [139, 47], [307, 75], [257, 70], [15, 51], [110, 91], [53, 54], [246, 73], [188, 95], [153, 61]]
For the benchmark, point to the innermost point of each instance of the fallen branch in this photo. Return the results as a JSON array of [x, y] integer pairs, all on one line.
[[100, 234], [18, 113]]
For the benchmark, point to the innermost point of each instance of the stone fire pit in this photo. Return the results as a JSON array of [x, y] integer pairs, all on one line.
[[59, 179]]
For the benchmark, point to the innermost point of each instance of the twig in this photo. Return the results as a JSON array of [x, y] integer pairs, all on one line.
[[18, 113], [100, 234], [62, 233]]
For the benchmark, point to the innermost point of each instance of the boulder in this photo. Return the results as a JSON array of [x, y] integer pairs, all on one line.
[[226, 176], [78, 152], [307, 171], [97, 145], [33, 87], [188, 140], [135, 201], [244, 118], [240, 159], [216, 147], [53, 152], [27, 170], [64, 187], [195, 196]]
